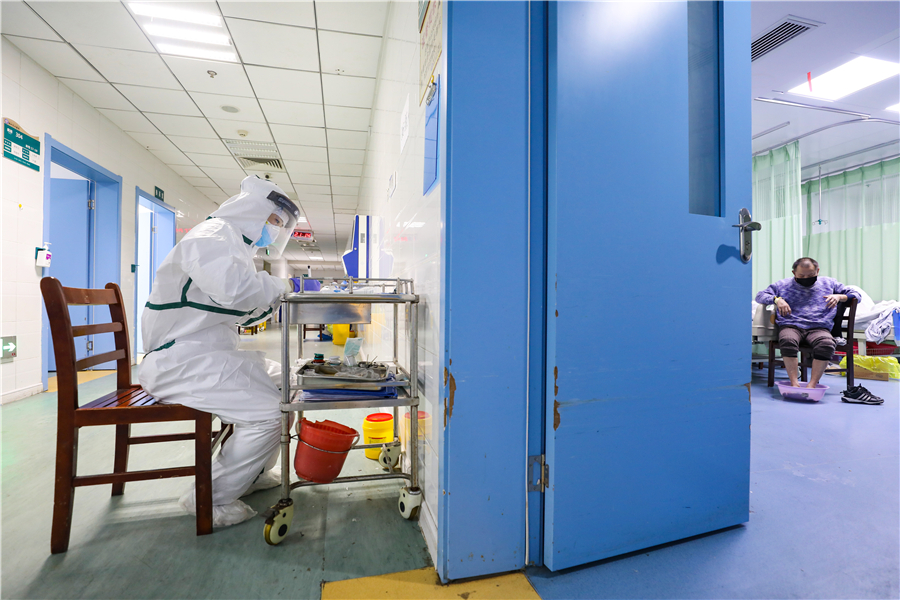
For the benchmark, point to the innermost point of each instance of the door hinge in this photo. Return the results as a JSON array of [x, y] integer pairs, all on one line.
[[90, 346], [538, 482], [92, 204]]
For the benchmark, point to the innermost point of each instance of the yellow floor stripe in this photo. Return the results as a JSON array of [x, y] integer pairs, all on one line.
[[83, 376], [423, 584]]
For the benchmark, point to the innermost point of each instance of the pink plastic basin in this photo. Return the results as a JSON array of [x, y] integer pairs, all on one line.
[[802, 393]]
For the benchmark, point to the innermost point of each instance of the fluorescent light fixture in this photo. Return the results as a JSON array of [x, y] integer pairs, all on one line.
[[156, 11], [301, 219], [223, 55], [850, 77], [895, 108], [191, 35], [315, 258], [414, 224]]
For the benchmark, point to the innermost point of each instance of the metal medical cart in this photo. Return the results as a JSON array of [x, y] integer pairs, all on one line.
[[350, 307]]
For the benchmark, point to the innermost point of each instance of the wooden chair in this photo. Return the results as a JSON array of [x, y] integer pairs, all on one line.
[[128, 404], [844, 321]]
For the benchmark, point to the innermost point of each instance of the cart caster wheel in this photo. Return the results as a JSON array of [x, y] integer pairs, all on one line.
[[409, 503], [389, 457], [278, 522]]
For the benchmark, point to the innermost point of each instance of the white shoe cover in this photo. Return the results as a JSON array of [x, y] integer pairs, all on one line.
[[265, 481], [223, 515]]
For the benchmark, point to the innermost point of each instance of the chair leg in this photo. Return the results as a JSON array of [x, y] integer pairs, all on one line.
[[771, 364], [203, 475], [850, 374], [120, 464], [64, 491]]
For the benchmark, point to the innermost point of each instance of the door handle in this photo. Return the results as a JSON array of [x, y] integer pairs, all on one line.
[[746, 225]]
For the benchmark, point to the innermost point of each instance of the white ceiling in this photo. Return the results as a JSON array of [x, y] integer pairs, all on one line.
[[848, 30], [305, 80]]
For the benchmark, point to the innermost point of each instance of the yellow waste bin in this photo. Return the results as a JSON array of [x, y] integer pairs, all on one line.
[[340, 333], [378, 428]]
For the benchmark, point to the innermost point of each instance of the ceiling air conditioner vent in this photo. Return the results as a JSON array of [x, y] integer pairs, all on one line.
[[779, 34], [256, 156], [255, 163]]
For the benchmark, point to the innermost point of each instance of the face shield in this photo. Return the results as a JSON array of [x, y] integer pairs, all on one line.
[[280, 225]]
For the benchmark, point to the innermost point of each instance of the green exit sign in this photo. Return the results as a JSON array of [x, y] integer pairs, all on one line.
[[8, 346], [159, 194]]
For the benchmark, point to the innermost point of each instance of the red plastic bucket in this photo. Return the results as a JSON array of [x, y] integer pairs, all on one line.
[[322, 450]]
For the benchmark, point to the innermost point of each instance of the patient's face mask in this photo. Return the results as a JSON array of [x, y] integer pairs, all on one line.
[[806, 281]]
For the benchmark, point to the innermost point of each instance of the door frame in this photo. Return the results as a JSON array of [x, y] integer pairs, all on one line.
[[138, 194], [80, 165]]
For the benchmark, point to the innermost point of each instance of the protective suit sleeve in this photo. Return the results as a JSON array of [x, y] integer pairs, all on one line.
[[221, 268]]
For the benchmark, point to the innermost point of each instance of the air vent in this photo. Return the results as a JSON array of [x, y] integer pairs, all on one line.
[[256, 156], [779, 34]]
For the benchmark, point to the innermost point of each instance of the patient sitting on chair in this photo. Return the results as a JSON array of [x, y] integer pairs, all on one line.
[[806, 306]]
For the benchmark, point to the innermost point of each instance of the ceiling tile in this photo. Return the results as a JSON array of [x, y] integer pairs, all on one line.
[[211, 191], [17, 19], [348, 192], [304, 178], [193, 74], [311, 201], [213, 160], [99, 95], [231, 186], [153, 141], [127, 66], [256, 132], [303, 153], [172, 157], [300, 136], [295, 167], [199, 145], [201, 182], [274, 45], [211, 105], [187, 171], [293, 113], [353, 17], [348, 156], [129, 120], [282, 84], [348, 170], [313, 189], [339, 117], [348, 54], [286, 13], [279, 179], [353, 140], [233, 174], [156, 100], [180, 125], [345, 181], [107, 24], [56, 57], [342, 90]]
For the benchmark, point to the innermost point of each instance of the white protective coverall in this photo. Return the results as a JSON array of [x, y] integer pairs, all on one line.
[[206, 286]]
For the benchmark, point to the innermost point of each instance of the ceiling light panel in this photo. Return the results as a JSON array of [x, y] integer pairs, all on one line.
[[848, 78], [134, 68], [169, 102], [273, 45], [895, 108], [347, 54], [285, 13], [200, 36], [282, 84], [105, 24], [56, 57], [180, 49]]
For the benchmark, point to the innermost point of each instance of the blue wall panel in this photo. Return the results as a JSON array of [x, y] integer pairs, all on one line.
[[485, 289]]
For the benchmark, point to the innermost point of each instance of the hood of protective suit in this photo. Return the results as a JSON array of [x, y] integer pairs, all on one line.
[[249, 210]]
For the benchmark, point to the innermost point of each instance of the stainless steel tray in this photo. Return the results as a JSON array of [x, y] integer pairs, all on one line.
[[328, 312]]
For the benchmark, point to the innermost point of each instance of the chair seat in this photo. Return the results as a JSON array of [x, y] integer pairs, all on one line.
[[128, 398]]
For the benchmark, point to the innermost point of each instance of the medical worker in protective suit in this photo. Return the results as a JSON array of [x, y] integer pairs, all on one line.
[[206, 286]]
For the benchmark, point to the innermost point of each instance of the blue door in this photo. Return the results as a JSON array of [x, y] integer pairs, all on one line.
[[648, 413], [70, 238], [155, 239]]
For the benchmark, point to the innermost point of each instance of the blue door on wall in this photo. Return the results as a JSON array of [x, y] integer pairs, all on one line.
[[70, 238], [648, 413], [156, 238]]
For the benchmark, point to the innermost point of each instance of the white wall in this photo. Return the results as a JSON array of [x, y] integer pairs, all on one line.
[[40, 104], [416, 250]]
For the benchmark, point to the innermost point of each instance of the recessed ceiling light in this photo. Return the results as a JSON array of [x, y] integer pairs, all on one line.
[[850, 77], [315, 258], [230, 109], [175, 14], [191, 35], [895, 108], [222, 55]]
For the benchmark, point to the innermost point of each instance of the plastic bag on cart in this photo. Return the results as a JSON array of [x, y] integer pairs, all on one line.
[[351, 349]]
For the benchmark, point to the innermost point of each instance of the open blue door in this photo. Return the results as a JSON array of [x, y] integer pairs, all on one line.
[[648, 413], [155, 239]]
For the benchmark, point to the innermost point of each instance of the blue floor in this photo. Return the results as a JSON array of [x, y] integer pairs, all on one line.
[[824, 514]]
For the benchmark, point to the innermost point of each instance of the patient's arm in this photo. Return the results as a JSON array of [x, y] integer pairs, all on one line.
[[767, 296]]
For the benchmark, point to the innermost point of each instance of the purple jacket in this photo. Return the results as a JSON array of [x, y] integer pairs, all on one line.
[[808, 310]]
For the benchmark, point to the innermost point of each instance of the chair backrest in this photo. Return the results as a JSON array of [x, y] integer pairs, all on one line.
[[57, 300], [845, 320]]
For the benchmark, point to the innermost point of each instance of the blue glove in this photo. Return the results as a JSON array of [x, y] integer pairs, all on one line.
[[297, 283]]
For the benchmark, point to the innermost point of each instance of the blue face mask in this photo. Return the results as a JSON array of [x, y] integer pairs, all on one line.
[[266, 237]]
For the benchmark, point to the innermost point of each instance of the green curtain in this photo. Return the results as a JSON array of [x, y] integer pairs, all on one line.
[[777, 207], [855, 235]]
